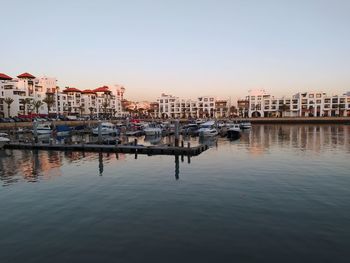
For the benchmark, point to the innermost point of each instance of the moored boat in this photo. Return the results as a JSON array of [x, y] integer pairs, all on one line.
[[208, 129], [233, 131], [3, 140], [107, 128], [152, 129]]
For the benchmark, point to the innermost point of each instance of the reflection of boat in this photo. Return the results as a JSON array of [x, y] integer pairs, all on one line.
[[208, 129], [153, 139], [110, 140], [153, 129], [245, 125], [3, 140], [209, 141], [106, 129], [234, 131]]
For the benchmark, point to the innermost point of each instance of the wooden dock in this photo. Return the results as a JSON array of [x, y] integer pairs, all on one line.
[[133, 149]]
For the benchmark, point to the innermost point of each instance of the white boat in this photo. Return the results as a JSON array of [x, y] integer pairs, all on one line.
[[3, 140], [245, 125], [43, 128], [152, 129], [208, 129], [233, 131], [106, 129]]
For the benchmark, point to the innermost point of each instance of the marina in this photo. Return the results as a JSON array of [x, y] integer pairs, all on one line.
[[273, 183]]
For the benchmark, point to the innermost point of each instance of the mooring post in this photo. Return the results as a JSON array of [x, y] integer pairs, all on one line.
[[182, 143], [188, 145], [35, 131], [99, 132], [177, 133], [135, 142]]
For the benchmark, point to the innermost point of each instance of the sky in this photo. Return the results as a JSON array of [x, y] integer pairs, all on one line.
[[186, 48]]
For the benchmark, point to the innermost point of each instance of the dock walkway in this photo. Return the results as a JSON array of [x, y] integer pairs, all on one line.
[[136, 149]]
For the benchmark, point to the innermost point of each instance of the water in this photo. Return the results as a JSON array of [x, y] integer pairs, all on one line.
[[279, 194]]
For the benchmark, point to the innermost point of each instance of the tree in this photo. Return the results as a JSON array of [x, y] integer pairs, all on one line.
[[37, 104], [25, 102], [8, 101], [283, 108], [105, 105], [49, 100], [91, 109], [81, 110], [311, 109]]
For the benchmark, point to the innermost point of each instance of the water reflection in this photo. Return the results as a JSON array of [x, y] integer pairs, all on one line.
[[32, 166]]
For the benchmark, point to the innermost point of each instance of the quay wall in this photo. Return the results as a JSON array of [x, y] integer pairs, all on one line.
[[285, 120]]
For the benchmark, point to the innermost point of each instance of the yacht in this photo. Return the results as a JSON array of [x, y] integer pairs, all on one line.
[[233, 131], [107, 128], [43, 128], [3, 140], [208, 129], [152, 129], [245, 125]]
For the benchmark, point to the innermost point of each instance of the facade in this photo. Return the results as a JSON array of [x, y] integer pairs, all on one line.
[[174, 107], [302, 104], [70, 101], [222, 109]]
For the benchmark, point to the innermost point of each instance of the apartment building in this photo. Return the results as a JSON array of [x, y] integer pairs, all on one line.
[[302, 104], [174, 107]]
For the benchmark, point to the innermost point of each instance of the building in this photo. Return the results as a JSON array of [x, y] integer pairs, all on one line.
[[222, 109], [243, 107], [28, 94], [174, 107], [302, 104]]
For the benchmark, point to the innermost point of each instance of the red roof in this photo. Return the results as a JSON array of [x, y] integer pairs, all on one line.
[[102, 89], [71, 90], [87, 91], [4, 77], [26, 75]]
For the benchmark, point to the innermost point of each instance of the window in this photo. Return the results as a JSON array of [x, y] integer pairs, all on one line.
[[318, 95], [311, 95]]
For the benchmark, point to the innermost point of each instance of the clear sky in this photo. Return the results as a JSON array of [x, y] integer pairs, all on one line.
[[182, 47]]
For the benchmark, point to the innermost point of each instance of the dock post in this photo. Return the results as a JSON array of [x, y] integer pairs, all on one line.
[[99, 132], [182, 143], [35, 131], [188, 145], [135, 142], [177, 133]]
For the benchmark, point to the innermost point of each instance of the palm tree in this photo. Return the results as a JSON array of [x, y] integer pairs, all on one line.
[[81, 110], [37, 104], [311, 109], [49, 100], [25, 102], [8, 101], [105, 105], [91, 109], [283, 109]]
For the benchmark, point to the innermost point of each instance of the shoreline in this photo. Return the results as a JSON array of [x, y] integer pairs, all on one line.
[[284, 120]]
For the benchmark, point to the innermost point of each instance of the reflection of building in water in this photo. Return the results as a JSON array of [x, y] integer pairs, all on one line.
[[36, 165], [304, 137]]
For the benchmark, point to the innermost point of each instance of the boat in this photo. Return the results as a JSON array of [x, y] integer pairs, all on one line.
[[3, 140], [245, 125], [233, 131], [190, 129], [63, 130], [208, 129], [107, 128], [152, 129], [43, 128]]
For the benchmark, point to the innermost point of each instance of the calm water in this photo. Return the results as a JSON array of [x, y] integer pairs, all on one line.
[[279, 194]]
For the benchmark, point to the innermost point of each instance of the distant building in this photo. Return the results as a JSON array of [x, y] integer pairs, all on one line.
[[174, 107], [302, 104], [221, 109]]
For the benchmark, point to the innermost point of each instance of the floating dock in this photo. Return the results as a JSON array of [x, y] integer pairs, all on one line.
[[133, 149]]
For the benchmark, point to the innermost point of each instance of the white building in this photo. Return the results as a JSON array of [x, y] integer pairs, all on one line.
[[175, 107], [263, 104]]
